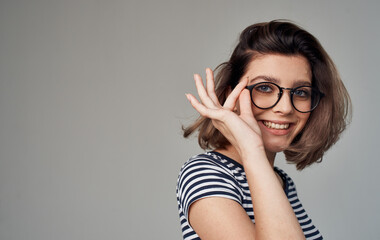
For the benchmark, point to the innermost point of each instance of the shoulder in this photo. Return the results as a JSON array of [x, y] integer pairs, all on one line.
[[206, 175], [207, 167], [205, 163]]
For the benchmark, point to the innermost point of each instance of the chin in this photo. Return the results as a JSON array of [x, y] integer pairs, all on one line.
[[275, 147]]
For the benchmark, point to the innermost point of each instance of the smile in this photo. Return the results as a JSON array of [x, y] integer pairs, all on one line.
[[276, 125]]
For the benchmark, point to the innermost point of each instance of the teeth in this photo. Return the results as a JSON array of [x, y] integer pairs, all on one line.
[[276, 125]]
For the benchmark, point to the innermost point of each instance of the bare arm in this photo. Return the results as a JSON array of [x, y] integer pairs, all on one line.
[[218, 218]]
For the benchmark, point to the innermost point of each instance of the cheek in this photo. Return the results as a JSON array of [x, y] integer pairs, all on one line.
[[256, 111], [303, 118]]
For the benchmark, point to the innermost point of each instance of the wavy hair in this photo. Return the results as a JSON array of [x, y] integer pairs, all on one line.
[[325, 123]]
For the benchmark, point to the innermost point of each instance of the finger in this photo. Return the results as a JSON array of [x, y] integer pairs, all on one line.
[[234, 95], [246, 112], [245, 103], [204, 111], [210, 85], [203, 95]]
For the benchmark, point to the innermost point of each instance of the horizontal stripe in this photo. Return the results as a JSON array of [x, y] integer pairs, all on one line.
[[215, 175]]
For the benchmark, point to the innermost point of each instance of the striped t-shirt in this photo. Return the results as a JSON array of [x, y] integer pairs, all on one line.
[[213, 174]]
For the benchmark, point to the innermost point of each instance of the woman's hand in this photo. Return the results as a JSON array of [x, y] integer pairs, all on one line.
[[274, 216], [242, 130]]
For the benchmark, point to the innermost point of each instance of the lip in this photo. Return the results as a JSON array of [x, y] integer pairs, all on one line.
[[277, 132]]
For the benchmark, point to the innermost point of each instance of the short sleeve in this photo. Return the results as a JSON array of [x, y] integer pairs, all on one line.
[[201, 178]]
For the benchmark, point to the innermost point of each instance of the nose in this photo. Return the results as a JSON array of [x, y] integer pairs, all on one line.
[[284, 105]]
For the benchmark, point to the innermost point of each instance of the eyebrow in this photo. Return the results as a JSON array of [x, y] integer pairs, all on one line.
[[275, 80]]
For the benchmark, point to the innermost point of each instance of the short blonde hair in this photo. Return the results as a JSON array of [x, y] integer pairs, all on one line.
[[325, 123]]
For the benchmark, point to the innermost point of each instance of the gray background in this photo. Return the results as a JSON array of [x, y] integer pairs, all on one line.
[[92, 101]]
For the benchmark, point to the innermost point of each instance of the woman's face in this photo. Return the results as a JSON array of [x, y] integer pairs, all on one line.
[[281, 123]]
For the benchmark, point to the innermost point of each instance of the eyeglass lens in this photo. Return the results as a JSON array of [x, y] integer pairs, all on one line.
[[266, 95]]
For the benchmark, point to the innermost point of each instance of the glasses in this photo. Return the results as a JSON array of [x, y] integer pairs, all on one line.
[[266, 95]]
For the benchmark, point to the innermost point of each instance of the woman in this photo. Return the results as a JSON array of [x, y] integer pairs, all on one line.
[[280, 91]]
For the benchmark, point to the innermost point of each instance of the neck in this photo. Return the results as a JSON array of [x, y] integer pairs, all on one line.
[[231, 152]]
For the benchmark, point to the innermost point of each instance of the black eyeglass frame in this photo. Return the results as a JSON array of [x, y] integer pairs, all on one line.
[[291, 90]]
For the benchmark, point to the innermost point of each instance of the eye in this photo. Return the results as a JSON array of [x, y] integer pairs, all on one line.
[[303, 92], [264, 88]]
